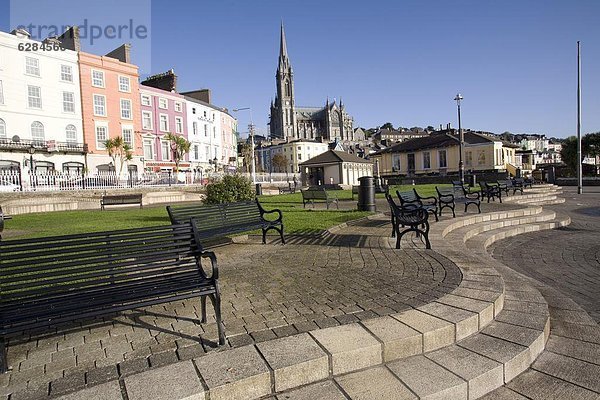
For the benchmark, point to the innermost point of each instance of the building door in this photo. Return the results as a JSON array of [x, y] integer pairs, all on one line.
[[411, 163]]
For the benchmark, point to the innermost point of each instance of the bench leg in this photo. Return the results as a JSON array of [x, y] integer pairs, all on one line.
[[3, 357], [216, 300], [203, 309]]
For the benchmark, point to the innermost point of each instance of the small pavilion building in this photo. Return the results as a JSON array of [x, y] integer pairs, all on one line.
[[335, 168]]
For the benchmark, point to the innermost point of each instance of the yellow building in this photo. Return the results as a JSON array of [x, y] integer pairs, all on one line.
[[439, 154]]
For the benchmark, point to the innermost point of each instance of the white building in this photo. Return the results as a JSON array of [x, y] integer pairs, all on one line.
[[40, 105], [292, 154], [204, 133]]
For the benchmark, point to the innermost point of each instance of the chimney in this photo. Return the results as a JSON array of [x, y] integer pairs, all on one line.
[[165, 81], [70, 39], [21, 33], [121, 53], [201, 94]]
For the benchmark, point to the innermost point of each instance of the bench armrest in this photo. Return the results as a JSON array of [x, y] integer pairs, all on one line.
[[213, 261], [279, 219]]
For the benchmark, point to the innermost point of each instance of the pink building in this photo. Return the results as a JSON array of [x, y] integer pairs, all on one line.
[[229, 139], [162, 112]]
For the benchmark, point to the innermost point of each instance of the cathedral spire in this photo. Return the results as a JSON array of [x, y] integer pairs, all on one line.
[[283, 55]]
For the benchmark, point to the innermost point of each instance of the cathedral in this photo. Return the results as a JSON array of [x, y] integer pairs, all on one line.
[[328, 124]]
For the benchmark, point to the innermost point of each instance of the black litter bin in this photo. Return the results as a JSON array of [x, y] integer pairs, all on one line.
[[366, 194], [258, 189]]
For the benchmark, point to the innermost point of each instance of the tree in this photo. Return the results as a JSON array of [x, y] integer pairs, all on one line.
[[590, 146], [180, 147], [245, 149], [279, 161], [119, 151], [387, 125]]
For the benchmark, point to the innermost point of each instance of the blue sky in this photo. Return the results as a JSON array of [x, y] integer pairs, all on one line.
[[398, 61]]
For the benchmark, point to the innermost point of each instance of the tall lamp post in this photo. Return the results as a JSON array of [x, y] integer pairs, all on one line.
[[251, 129], [461, 138], [32, 178]]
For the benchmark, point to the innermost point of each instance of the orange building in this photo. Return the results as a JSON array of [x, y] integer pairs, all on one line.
[[110, 107]]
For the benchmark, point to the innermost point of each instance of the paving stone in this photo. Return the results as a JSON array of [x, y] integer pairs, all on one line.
[[399, 340], [578, 332], [262, 336], [240, 340], [482, 374], [133, 366], [532, 321], [572, 316], [530, 308], [190, 352], [239, 373], [516, 358], [296, 361], [105, 391], [538, 386], [579, 349], [326, 390], [174, 382], [37, 393], [503, 393], [101, 375], [569, 369], [484, 309], [428, 380], [374, 383], [351, 347], [284, 331], [437, 333], [306, 326], [69, 383], [527, 337], [466, 323]]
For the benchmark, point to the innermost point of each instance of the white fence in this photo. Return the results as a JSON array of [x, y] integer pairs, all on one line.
[[15, 181]]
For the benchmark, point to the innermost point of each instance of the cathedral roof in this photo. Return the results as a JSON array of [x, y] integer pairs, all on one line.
[[334, 157]]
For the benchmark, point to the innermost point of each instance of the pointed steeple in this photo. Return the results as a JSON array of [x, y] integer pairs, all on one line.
[[284, 60]]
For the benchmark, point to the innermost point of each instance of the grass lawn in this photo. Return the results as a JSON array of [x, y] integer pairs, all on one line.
[[296, 220]]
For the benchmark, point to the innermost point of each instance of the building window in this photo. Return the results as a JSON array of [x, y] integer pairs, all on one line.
[[164, 149], [481, 158], [68, 102], [125, 109], [469, 158], [146, 100], [34, 97], [162, 103], [164, 123], [1, 94], [148, 153], [32, 66], [124, 84], [395, 162], [193, 110], [127, 135], [101, 136], [178, 106], [214, 132], [443, 161], [299, 156], [66, 73], [196, 152], [71, 134], [37, 131], [99, 105], [178, 125], [195, 128], [146, 120], [97, 78], [204, 114], [207, 152], [426, 160], [205, 130], [2, 129]]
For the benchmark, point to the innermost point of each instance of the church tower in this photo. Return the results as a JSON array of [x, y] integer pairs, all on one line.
[[283, 118]]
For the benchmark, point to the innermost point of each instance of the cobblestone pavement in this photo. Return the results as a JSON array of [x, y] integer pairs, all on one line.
[[268, 291], [567, 259]]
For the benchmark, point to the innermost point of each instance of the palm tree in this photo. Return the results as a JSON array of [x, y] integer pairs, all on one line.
[[180, 147], [119, 150]]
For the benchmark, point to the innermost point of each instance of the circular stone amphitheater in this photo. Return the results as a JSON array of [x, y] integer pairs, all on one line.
[[340, 315]]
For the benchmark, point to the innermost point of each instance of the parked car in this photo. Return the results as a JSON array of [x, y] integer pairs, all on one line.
[[7, 186]]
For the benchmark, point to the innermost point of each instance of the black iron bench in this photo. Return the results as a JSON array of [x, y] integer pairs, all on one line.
[[458, 194], [3, 217], [413, 199], [224, 219], [287, 190], [507, 185], [54, 280], [522, 183], [120, 199], [311, 196], [413, 218], [490, 191]]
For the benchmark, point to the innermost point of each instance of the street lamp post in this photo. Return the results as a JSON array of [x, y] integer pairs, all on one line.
[[461, 138], [31, 170], [251, 129]]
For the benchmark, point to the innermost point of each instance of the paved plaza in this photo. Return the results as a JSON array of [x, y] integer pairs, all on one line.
[[567, 259], [364, 319]]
